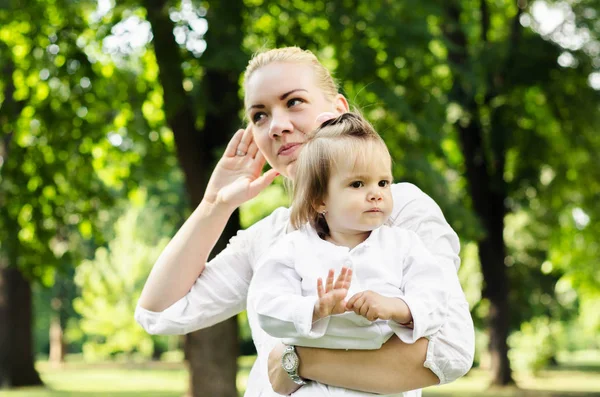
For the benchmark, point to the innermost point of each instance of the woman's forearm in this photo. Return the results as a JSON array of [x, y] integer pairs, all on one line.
[[184, 258], [396, 367]]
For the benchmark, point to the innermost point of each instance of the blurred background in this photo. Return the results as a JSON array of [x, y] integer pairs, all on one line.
[[112, 115]]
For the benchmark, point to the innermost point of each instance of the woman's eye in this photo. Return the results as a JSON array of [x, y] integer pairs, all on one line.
[[356, 184], [294, 102], [257, 117], [384, 183]]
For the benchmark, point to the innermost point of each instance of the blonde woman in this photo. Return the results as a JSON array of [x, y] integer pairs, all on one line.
[[285, 91]]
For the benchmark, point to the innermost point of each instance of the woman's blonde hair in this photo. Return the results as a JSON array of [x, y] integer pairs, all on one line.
[[323, 78], [346, 140]]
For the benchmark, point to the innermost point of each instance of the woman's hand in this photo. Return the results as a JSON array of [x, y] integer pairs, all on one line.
[[280, 380], [237, 177]]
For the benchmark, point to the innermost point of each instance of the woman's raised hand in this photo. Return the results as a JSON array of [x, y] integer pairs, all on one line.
[[237, 177]]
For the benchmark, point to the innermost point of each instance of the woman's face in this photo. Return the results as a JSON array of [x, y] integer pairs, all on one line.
[[283, 102]]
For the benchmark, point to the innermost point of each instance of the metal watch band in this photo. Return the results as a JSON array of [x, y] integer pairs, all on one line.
[[297, 379], [294, 374]]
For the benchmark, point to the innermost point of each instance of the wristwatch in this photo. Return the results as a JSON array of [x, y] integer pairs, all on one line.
[[290, 363]]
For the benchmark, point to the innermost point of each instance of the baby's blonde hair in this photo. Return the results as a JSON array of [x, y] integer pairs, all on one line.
[[323, 78], [347, 139]]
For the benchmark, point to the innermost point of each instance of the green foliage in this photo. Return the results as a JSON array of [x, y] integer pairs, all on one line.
[[110, 287], [79, 127], [535, 345], [82, 125], [262, 205]]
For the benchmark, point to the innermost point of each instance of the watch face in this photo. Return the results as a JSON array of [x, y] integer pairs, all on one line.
[[289, 362]]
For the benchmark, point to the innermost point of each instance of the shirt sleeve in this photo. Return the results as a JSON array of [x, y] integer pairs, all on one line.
[[425, 291], [219, 292], [416, 211], [276, 294]]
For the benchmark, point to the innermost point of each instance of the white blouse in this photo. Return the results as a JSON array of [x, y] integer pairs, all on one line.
[[392, 262], [221, 290]]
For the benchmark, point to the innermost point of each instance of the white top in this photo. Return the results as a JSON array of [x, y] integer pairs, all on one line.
[[392, 262], [221, 290]]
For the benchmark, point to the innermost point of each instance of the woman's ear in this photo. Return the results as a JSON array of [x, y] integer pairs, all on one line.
[[340, 104]]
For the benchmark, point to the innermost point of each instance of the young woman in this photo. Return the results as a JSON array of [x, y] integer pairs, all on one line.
[[341, 202], [286, 90]]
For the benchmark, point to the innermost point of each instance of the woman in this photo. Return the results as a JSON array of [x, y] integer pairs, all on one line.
[[287, 92]]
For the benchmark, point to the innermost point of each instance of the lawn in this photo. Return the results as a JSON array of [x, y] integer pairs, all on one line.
[[577, 377]]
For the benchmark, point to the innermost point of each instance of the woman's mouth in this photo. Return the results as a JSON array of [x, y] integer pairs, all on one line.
[[288, 149]]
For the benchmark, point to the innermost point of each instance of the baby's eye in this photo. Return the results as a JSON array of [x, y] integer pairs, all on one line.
[[384, 183], [258, 116], [294, 102], [357, 184]]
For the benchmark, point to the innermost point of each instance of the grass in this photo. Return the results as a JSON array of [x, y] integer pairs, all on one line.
[[122, 380], [579, 378]]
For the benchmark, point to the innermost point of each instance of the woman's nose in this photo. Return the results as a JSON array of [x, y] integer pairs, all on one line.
[[280, 124]]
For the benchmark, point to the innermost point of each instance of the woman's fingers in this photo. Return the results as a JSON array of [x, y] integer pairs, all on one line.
[[252, 149], [234, 143], [244, 145], [263, 181]]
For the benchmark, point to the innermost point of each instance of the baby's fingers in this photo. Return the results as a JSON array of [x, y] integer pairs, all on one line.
[[372, 314], [348, 280], [341, 280], [352, 301], [320, 290], [329, 282]]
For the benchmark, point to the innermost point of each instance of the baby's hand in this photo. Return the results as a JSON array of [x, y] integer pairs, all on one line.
[[332, 297], [373, 306]]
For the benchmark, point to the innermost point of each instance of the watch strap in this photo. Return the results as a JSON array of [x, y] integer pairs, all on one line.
[[294, 374]]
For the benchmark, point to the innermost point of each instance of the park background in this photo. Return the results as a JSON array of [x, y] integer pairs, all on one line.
[[112, 116]]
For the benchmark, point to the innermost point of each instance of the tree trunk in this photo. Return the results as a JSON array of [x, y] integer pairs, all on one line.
[[488, 193], [16, 339], [212, 353], [57, 343]]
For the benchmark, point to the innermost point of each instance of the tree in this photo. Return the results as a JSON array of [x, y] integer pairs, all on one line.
[[211, 353], [59, 172], [111, 283]]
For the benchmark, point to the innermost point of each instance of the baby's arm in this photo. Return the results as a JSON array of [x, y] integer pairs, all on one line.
[[276, 294]]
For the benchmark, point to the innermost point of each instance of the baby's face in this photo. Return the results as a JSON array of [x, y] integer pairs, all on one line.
[[359, 197]]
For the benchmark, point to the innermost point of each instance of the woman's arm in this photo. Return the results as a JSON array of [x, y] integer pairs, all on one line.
[[184, 258], [374, 371], [235, 180]]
